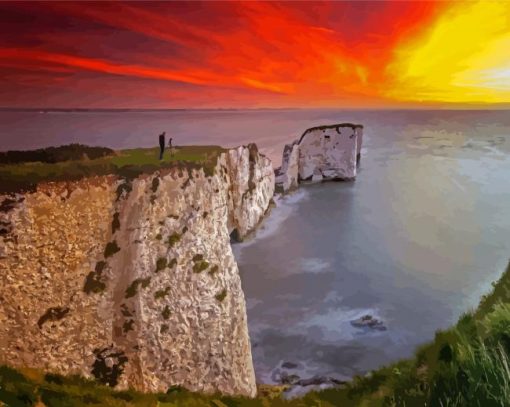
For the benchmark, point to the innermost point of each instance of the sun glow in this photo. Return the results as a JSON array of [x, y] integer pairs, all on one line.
[[464, 57]]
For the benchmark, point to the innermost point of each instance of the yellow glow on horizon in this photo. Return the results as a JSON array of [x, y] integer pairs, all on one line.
[[464, 57]]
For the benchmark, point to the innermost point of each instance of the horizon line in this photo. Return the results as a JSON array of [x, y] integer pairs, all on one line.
[[505, 106]]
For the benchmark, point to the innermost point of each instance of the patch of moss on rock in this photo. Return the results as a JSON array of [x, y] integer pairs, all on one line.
[[108, 366], [213, 270], [123, 189], [161, 293], [110, 249], [133, 287], [155, 184], [200, 266], [52, 314], [128, 325], [125, 311], [221, 295], [7, 205], [198, 257], [166, 312], [94, 281], [115, 222], [173, 239], [161, 264]]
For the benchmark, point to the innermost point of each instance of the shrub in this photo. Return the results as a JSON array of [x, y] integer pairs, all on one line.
[[54, 155], [123, 189], [115, 222], [108, 366], [173, 239], [214, 269], [155, 184], [110, 249], [496, 325], [52, 314], [128, 325], [161, 263], [166, 312], [221, 295], [161, 293], [93, 281], [198, 257], [133, 287], [200, 266]]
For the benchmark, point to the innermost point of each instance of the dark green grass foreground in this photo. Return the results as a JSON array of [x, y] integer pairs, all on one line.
[[467, 365], [22, 171]]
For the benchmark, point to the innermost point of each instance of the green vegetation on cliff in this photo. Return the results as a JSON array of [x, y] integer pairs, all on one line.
[[22, 171], [467, 365]]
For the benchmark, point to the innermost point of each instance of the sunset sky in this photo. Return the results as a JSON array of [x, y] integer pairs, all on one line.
[[254, 54]]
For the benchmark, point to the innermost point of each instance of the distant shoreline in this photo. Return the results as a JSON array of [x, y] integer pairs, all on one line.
[[262, 109]]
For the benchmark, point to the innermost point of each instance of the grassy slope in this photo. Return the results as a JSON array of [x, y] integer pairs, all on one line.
[[124, 163]]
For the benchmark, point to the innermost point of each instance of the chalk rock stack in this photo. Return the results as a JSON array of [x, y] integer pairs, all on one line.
[[322, 153]]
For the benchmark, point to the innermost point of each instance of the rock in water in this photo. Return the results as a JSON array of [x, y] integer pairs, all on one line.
[[368, 321], [322, 153]]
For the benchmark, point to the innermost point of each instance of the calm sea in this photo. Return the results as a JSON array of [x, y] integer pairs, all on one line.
[[414, 241]]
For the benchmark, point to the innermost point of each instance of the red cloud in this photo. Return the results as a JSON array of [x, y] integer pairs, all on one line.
[[311, 53]]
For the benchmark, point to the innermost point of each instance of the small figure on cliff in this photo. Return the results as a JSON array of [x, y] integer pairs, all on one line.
[[171, 147], [161, 145]]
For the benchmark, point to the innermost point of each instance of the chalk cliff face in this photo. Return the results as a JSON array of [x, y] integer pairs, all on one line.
[[325, 152], [290, 167], [134, 282]]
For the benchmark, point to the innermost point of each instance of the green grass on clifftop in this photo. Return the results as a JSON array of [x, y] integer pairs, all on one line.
[[24, 176]]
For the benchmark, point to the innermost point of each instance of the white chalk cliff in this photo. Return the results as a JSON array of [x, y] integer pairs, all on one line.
[[322, 153], [134, 282]]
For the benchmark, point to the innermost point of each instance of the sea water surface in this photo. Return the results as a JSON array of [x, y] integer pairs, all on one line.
[[414, 241]]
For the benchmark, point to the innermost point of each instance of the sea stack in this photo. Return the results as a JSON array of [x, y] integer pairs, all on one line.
[[322, 153]]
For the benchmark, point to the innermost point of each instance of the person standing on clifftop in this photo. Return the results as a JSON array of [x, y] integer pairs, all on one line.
[[161, 145], [170, 146]]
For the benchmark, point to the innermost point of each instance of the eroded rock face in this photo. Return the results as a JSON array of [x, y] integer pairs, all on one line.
[[329, 152], [290, 167], [253, 175], [322, 153], [134, 282]]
